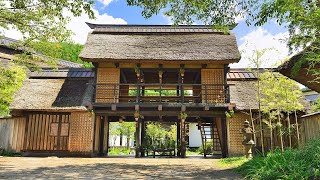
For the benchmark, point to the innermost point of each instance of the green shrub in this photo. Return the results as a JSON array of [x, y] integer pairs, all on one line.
[[9, 153], [291, 164], [119, 151], [208, 148]]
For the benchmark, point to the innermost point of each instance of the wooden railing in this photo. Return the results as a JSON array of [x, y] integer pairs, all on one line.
[[161, 93]]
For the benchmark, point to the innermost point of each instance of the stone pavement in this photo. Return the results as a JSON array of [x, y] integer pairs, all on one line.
[[112, 168]]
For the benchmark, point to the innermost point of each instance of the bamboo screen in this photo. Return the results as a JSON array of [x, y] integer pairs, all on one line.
[[213, 93], [108, 80], [48, 131], [81, 132], [235, 125]]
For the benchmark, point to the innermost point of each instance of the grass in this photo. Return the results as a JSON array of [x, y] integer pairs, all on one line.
[[232, 162], [119, 151], [9, 153], [301, 163]]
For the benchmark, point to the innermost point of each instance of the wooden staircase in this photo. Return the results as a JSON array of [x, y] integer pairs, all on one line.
[[209, 134]]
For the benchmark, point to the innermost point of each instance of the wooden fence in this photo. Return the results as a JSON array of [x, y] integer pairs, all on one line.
[[310, 127], [12, 133]]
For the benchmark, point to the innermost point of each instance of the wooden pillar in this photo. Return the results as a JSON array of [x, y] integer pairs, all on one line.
[[138, 139], [107, 134], [178, 139], [143, 138], [224, 137], [183, 138], [101, 136]]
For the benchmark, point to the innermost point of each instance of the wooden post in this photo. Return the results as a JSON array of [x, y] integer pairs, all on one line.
[[101, 136], [143, 140], [178, 139], [183, 140], [107, 141], [138, 140], [224, 137]]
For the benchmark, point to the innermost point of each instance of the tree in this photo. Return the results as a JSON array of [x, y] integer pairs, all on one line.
[[11, 80], [303, 21], [156, 132], [279, 96], [127, 129], [38, 21], [114, 131], [256, 61], [219, 13]]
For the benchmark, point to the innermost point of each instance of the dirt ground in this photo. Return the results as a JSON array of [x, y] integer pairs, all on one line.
[[112, 168]]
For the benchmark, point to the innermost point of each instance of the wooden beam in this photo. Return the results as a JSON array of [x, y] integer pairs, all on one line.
[[162, 113]]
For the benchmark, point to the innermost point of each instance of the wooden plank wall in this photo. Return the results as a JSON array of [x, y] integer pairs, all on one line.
[[104, 93], [12, 133], [48, 131], [235, 137], [215, 94], [310, 127], [81, 132]]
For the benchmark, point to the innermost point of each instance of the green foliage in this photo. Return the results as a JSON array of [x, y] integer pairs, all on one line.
[[220, 14], [233, 162], [160, 137], [291, 164], [316, 106], [65, 50], [209, 148], [42, 20], [303, 21], [11, 80]]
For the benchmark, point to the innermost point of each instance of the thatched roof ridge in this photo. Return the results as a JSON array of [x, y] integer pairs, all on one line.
[[190, 47], [53, 94]]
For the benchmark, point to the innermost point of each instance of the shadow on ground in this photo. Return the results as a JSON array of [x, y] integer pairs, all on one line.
[[118, 171]]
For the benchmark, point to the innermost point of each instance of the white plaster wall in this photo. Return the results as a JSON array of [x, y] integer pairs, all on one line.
[[194, 136]]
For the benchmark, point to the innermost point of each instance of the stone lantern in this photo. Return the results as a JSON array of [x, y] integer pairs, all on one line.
[[247, 132]]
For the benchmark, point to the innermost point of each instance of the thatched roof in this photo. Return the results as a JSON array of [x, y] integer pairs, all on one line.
[[53, 94], [244, 94], [128, 43], [302, 76]]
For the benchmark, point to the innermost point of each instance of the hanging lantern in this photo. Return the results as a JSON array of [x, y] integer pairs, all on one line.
[[136, 115]]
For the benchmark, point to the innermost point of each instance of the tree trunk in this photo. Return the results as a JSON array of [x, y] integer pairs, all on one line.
[[280, 131], [260, 120], [128, 142], [289, 130], [271, 134], [254, 130]]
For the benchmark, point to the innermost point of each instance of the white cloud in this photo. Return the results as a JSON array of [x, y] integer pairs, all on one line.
[[80, 28], [105, 2], [260, 39], [77, 25]]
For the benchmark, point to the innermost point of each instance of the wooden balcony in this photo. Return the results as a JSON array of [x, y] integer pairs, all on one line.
[[161, 94]]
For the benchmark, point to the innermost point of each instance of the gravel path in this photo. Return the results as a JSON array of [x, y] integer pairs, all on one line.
[[112, 168]]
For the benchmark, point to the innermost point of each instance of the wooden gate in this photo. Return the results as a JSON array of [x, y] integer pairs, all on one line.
[[47, 131]]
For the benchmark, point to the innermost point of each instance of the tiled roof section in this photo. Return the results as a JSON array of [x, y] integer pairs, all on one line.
[[109, 28], [63, 73], [240, 74], [69, 64]]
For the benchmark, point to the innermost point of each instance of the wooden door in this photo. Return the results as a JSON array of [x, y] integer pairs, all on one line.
[[47, 131]]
